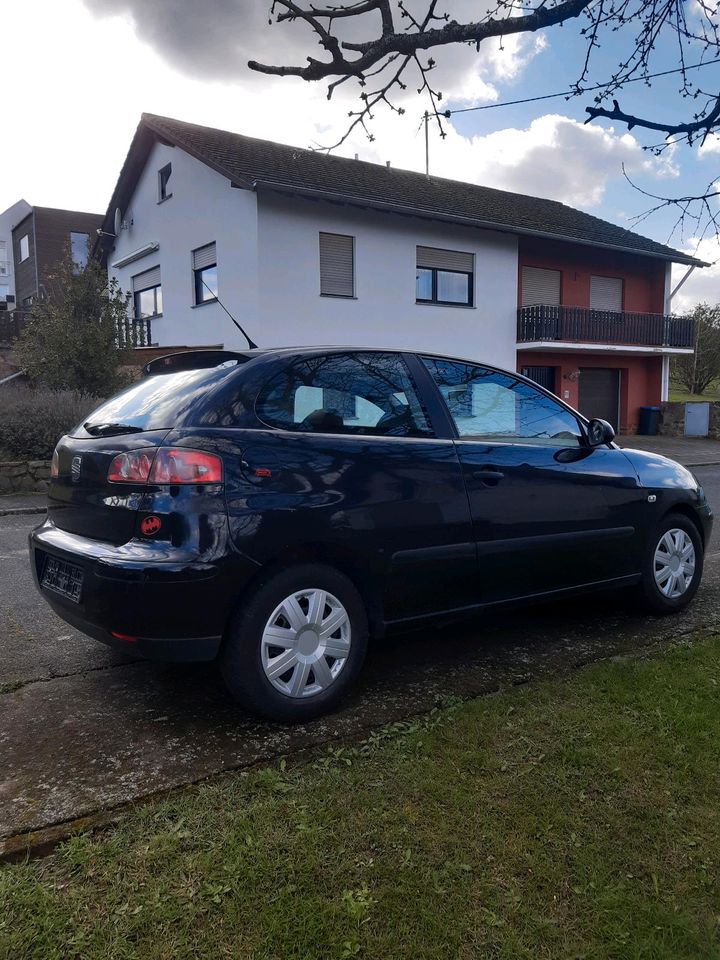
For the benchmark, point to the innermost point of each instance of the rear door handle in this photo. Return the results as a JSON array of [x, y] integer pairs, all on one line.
[[489, 474]]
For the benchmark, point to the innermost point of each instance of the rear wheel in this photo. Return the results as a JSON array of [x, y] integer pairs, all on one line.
[[297, 645], [672, 566]]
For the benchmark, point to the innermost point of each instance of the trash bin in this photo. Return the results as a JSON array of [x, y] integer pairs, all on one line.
[[649, 419]]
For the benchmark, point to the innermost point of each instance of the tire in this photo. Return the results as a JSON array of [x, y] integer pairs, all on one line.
[[665, 597], [291, 608]]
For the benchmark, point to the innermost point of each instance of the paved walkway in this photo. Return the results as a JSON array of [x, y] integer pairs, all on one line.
[[690, 451], [11, 503]]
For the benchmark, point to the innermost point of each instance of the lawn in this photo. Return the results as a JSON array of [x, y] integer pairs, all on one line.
[[679, 394], [573, 818]]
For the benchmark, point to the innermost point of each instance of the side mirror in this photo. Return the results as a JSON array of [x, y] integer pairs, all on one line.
[[599, 432]]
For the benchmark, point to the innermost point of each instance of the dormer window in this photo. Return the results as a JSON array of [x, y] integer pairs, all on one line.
[[164, 174]]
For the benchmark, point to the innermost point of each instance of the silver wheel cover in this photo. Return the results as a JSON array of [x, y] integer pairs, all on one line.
[[306, 643], [674, 563]]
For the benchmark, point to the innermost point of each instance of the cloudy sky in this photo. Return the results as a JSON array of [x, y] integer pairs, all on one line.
[[71, 108]]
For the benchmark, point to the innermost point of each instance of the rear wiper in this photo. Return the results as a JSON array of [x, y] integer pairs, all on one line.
[[108, 429]]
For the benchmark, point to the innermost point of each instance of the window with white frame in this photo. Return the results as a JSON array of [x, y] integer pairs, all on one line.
[[337, 265], [444, 276], [147, 293], [79, 250], [205, 277], [24, 247]]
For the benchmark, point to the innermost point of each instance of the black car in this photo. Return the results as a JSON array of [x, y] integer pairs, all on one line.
[[274, 508]]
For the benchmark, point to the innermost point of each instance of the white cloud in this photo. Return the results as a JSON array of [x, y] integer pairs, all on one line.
[[704, 283]]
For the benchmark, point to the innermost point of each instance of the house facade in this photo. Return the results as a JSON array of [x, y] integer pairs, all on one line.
[[301, 248], [40, 241], [8, 219]]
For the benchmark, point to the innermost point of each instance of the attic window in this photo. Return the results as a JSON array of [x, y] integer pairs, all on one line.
[[164, 175]]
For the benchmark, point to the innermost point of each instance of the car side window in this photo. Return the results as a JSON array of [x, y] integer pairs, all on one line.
[[491, 405], [360, 393]]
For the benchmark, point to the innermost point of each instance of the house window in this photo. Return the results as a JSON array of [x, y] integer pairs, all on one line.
[[606, 293], [4, 264], [4, 292], [24, 248], [444, 276], [337, 265], [147, 294], [205, 279], [540, 287], [164, 175], [79, 250]]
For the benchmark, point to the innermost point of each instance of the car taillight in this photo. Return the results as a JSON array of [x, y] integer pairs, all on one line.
[[166, 465], [175, 465], [55, 465], [131, 467]]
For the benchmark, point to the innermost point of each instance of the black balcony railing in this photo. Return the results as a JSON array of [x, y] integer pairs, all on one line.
[[11, 324], [603, 326], [134, 332]]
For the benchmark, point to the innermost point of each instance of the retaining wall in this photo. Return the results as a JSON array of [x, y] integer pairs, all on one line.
[[17, 476]]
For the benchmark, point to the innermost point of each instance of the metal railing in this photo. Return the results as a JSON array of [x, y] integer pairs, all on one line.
[[581, 324]]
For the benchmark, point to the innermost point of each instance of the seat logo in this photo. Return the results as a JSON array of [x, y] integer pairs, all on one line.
[[75, 469], [149, 526]]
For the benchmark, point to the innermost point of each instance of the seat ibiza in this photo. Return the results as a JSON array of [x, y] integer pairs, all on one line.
[[275, 508]]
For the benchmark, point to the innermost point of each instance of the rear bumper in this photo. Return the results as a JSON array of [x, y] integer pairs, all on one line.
[[164, 604]]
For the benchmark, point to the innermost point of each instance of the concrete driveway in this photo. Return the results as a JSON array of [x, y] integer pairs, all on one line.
[[83, 729]]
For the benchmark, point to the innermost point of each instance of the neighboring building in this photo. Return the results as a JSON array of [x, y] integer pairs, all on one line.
[[40, 240], [305, 248], [14, 214]]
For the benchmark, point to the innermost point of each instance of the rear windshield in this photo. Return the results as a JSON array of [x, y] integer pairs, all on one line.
[[161, 401]]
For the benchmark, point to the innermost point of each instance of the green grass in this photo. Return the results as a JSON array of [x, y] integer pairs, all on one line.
[[574, 818], [678, 393]]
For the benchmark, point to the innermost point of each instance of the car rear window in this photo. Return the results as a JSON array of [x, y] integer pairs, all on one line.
[[161, 401]]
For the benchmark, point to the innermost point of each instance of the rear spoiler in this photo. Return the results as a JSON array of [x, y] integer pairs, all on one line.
[[192, 360]]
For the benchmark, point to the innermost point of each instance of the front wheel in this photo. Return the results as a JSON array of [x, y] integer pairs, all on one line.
[[297, 644], [672, 566]]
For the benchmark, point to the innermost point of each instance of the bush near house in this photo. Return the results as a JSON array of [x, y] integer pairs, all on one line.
[[33, 420], [70, 340]]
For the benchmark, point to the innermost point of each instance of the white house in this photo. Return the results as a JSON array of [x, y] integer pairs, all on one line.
[[8, 219], [304, 248]]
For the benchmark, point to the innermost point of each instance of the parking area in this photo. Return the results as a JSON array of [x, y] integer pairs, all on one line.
[[83, 729]]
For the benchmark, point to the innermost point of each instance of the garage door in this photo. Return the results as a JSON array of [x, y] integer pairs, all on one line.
[[600, 394]]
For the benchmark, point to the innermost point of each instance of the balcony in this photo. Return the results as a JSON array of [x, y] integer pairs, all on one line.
[[134, 332], [546, 324], [11, 324]]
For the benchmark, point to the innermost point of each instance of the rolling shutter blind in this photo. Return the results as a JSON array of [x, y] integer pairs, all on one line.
[[431, 258], [336, 265], [540, 287], [606, 293], [143, 281], [204, 257]]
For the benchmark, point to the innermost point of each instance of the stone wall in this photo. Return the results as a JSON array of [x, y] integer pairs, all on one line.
[[18, 476], [672, 420]]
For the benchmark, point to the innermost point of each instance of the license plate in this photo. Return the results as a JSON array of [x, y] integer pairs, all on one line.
[[63, 578]]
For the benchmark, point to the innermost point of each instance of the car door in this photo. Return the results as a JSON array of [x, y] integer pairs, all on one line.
[[548, 511], [351, 467]]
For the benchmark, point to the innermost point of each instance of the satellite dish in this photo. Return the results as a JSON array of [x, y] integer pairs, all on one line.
[[117, 222]]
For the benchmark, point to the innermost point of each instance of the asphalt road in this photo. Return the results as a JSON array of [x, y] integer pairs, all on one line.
[[84, 729]]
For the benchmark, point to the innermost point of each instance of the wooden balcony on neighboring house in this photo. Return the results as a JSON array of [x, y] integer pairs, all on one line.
[[555, 325]]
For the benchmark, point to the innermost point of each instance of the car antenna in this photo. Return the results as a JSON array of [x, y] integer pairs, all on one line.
[[251, 344]]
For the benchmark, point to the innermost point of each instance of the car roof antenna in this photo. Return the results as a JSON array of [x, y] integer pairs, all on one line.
[[251, 344]]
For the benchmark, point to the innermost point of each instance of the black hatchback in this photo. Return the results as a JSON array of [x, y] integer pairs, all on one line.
[[273, 509]]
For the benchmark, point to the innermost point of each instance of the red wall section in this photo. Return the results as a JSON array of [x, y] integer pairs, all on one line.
[[644, 277], [640, 378]]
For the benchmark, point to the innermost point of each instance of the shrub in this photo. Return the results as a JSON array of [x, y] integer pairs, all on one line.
[[32, 421]]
